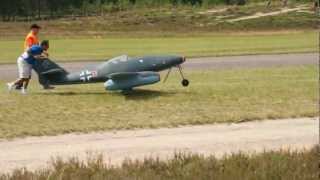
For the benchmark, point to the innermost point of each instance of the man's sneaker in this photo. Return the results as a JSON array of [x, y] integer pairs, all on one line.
[[10, 86], [18, 87], [23, 91]]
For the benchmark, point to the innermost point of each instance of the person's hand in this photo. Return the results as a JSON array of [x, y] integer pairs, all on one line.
[[45, 53], [40, 57], [37, 56]]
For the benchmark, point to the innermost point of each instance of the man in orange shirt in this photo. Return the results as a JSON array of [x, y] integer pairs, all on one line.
[[32, 38]]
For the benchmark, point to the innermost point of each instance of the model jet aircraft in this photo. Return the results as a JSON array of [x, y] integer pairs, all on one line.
[[119, 73]]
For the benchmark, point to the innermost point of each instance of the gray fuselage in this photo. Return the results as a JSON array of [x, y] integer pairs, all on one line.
[[120, 64]]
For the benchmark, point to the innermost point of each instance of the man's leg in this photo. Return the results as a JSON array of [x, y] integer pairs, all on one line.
[[21, 72], [25, 86], [16, 83], [27, 76], [26, 83]]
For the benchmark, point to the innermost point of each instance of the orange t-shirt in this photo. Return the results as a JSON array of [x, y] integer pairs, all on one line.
[[30, 40]]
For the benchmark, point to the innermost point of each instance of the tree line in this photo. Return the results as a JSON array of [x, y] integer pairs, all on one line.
[[13, 10]]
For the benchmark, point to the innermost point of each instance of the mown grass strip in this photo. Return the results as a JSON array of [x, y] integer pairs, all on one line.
[[210, 45], [212, 97]]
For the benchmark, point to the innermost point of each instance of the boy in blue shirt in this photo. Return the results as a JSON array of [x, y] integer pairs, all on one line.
[[25, 63], [38, 65]]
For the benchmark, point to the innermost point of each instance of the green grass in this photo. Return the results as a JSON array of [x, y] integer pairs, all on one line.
[[208, 45], [276, 165], [213, 97]]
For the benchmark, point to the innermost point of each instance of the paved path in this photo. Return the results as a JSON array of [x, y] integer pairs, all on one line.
[[9, 72], [35, 152]]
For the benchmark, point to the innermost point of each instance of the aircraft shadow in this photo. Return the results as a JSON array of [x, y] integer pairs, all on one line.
[[143, 94], [69, 93], [136, 94]]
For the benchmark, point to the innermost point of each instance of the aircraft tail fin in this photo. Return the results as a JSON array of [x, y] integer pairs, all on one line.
[[50, 70]]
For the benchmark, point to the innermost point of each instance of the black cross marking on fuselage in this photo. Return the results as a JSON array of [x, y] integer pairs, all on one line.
[[85, 75]]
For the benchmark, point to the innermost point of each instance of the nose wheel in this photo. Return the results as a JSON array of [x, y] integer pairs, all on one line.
[[184, 82]]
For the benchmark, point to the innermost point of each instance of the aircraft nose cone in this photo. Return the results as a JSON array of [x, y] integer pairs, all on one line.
[[179, 60], [183, 59]]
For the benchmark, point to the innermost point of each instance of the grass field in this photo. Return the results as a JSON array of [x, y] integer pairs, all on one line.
[[199, 45], [276, 165], [214, 96]]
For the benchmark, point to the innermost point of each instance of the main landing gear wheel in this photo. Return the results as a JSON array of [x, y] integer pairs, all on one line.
[[185, 82]]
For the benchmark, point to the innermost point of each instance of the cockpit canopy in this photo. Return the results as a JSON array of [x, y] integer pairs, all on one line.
[[122, 58]]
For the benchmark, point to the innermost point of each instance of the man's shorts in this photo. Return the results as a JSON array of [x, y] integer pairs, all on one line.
[[24, 68]]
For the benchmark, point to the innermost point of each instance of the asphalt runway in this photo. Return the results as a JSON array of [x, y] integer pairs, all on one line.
[[256, 136], [9, 71]]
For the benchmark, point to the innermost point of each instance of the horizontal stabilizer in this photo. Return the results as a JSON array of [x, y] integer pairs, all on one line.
[[53, 71], [50, 71]]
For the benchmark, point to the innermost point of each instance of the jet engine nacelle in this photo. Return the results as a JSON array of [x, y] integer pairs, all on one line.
[[126, 81]]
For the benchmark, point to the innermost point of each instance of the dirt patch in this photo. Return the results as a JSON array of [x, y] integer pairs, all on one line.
[[212, 11], [260, 14], [35, 152]]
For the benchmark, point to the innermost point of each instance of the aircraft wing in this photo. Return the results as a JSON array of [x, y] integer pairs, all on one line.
[[130, 75], [122, 76], [128, 80]]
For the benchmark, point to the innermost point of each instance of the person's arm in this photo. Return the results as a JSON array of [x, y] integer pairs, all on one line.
[[44, 55], [38, 57], [29, 42]]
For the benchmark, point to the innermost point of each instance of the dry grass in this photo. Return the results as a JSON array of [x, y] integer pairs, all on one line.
[[276, 165]]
